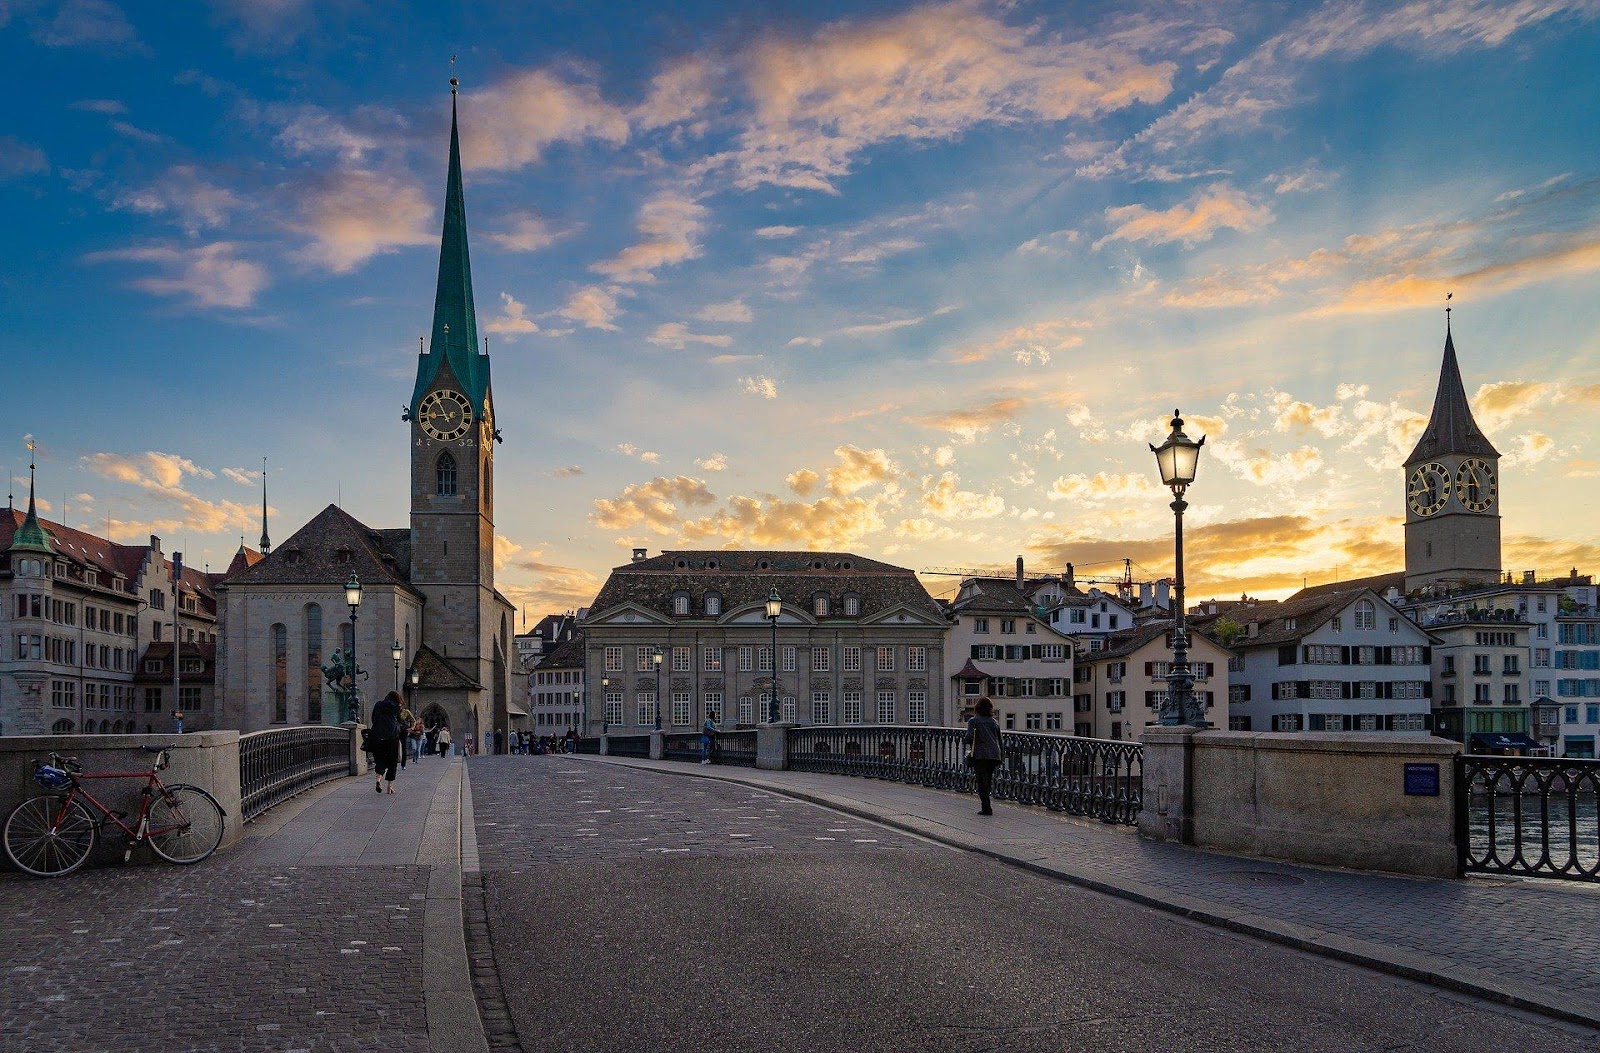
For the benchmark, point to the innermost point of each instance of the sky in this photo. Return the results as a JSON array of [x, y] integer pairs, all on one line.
[[919, 281]]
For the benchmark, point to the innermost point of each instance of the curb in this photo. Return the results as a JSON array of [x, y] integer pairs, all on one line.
[[454, 1023], [1408, 965]]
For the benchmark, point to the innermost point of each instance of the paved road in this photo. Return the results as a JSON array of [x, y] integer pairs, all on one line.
[[633, 911]]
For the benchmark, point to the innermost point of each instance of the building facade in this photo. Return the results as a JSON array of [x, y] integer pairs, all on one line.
[[1000, 645], [1120, 687], [428, 588], [556, 701], [858, 642]]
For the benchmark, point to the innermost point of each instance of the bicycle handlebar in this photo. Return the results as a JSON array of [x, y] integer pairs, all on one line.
[[66, 763]]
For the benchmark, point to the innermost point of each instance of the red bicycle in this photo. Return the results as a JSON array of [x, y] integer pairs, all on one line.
[[54, 834]]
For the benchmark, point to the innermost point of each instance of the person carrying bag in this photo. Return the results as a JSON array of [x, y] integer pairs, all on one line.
[[984, 752]]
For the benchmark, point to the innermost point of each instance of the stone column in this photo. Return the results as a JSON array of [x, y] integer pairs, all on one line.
[[658, 745], [1168, 812], [356, 765]]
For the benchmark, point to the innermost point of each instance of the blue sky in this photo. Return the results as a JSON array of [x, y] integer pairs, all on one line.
[[916, 280]]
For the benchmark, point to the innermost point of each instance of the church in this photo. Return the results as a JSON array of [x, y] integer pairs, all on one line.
[[430, 622]]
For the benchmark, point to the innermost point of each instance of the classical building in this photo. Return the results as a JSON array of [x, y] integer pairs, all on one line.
[[428, 587], [1121, 686], [858, 642], [556, 688], [1001, 645], [1452, 480], [83, 621]]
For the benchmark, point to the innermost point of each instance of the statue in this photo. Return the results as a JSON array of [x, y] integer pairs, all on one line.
[[340, 673]]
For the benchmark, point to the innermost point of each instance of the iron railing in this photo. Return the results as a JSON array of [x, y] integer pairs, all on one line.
[[1528, 815], [1098, 778], [628, 745], [681, 746], [588, 744], [278, 764], [737, 748]]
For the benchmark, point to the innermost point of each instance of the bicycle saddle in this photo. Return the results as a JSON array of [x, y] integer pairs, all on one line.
[[157, 749]]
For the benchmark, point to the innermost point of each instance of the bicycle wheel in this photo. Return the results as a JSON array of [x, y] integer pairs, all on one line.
[[49, 836], [185, 824]]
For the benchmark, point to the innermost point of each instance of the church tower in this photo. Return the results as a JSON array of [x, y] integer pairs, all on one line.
[[1452, 491], [452, 435]]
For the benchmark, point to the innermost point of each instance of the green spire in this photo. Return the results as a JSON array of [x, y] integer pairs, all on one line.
[[455, 325], [30, 536]]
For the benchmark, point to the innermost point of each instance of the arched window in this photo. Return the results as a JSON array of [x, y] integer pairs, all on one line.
[[713, 603], [488, 482], [280, 673], [1366, 615], [61, 727], [444, 475], [313, 627]]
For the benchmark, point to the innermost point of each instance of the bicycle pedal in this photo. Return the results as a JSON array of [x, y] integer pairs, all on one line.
[[127, 853]]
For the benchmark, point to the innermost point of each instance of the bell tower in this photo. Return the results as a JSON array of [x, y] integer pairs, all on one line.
[[452, 436], [1452, 481]]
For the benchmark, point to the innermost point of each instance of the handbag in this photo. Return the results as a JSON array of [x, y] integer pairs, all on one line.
[[969, 760]]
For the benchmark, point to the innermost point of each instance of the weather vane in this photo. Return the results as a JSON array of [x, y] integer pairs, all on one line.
[[453, 82]]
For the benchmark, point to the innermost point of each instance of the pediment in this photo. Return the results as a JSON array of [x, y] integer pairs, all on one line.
[[756, 614], [627, 614], [904, 614]]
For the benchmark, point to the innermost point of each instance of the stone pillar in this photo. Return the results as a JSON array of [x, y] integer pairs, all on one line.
[[605, 745], [772, 746], [1168, 812], [658, 745], [357, 767]]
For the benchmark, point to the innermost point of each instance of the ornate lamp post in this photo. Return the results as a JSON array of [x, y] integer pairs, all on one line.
[[577, 703], [774, 610], [352, 596], [1178, 458], [415, 677], [605, 705], [397, 653], [656, 661]]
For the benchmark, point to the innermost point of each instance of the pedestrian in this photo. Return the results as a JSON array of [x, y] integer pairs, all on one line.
[[405, 733], [383, 737], [983, 750], [708, 740], [414, 739], [444, 740], [430, 739]]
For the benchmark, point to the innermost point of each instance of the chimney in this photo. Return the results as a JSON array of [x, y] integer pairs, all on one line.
[[1144, 594], [1019, 574], [1527, 577], [640, 554], [1164, 594], [1069, 579]]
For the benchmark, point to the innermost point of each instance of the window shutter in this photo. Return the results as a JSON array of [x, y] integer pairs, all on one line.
[[1149, 669], [1246, 696], [975, 649], [1286, 655], [1348, 688], [1150, 698], [1303, 689], [1427, 689], [1344, 656], [1385, 656], [1427, 656], [1305, 653], [1036, 650]]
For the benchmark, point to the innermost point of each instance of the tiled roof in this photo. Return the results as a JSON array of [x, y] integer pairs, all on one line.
[[1122, 644], [436, 672], [106, 556], [568, 654], [1451, 427], [1307, 612], [999, 595], [327, 549], [736, 576], [1379, 583]]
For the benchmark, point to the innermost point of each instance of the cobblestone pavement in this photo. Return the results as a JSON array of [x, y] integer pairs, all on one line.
[[623, 918], [255, 949], [1528, 931]]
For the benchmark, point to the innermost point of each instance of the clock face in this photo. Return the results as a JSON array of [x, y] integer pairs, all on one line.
[[1475, 484], [445, 415], [1428, 488]]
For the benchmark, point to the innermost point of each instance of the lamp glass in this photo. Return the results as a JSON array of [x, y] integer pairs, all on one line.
[[397, 652], [352, 591], [774, 605], [656, 657], [1178, 458], [416, 677]]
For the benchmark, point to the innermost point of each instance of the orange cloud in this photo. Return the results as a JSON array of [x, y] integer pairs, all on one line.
[[1219, 208]]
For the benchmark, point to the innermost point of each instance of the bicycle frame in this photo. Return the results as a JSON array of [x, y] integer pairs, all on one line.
[[140, 830]]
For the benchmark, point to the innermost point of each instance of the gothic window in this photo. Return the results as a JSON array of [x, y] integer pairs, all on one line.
[[1366, 615], [313, 627], [444, 475], [280, 674], [488, 479]]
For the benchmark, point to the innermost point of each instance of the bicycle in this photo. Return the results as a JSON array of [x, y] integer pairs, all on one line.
[[54, 834]]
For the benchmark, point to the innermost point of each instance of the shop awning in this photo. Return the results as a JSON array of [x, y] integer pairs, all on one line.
[[1505, 740]]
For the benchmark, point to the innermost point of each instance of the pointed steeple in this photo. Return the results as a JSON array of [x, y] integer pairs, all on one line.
[[455, 325], [30, 536], [1451, 429], [266, 542]]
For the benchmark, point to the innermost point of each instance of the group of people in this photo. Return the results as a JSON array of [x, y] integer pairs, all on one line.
[[395, 735], [526, 743]]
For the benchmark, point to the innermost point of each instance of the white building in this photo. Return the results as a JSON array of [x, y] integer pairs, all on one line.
[[1001, 646]]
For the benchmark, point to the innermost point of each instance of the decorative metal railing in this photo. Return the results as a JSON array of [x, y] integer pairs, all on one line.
[[589, 744], [1528, 815], [681, 746], [1099, 778], [628, 745], [278, 764], [736, 748]]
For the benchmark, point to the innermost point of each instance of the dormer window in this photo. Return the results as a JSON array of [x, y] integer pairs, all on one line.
[[816, 564], [852, 606], [763, 564], [61, 569], [711, 564], [713, 604], [92, 577], [682, 564], [680, 604], [344, 555], [819, 606], [153, 665]]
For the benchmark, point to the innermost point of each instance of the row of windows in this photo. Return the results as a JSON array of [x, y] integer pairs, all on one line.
[[1578, 633], [1019, 652], [558, 676], [1577, 660], [754, 707], [1008, 626], [1341, 722], [1340, 654], [822, 605], [1578, 688], [36, 647], [1291, 689], [1591, 714], [28, 567], [1482, 694], [1482, 665], [759, 659]]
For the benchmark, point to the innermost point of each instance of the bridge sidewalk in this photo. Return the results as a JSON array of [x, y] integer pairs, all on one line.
[[1520, 942], [334, 924]]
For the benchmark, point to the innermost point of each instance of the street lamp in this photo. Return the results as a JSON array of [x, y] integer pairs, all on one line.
[[656, 659], [605, 706], [1178, 458], [352, 596], [774, 609], [577, 704], [397, 652]]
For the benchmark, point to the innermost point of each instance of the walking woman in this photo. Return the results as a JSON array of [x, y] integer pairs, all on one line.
[[384, 738], [983, 739], [443, 738]]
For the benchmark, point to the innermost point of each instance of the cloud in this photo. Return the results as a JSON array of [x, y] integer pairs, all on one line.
[[509, 124], [242, 476], [677, 335], [569, 472], [95, 24], [152, 469], [732, 311], [525, 232], [1302, 181], [944, 498], [803, 482], [874, 328], [161, 476], [551, 587], [1102, 489], [628, 449], [266, 22], [109, 107], [1028, 344], [925, 530], [716, 462], [1219, 208], [653, 505], [930, 73], [670, 224], [1501, 402], [1530, 448], [1264, 467], [1295, 415], [777, 232], [18, 158], [513, 319], [968, 423], [132, 131], [207, 276], [858, 469], [353, 214], [593, 306], [186, 193], [770, 521], [761, 387], [505, 550], [1056, 243]]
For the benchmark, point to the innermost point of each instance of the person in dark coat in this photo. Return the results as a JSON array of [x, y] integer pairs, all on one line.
[[383, 738], [983, 738]]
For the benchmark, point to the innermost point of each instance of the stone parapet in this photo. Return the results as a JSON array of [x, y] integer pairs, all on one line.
[[772, 746]]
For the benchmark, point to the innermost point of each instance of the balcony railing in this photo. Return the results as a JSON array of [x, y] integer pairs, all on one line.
[[278, 764]]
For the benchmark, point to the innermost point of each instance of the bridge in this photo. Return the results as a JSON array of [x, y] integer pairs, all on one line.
[[600, 903]]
